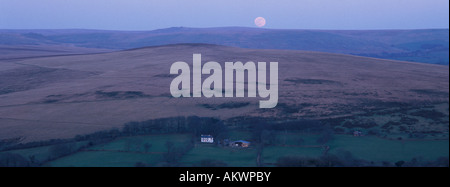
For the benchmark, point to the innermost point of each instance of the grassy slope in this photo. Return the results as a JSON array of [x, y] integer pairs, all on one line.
[[60, 95]]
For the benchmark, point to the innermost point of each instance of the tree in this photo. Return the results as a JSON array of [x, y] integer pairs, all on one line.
[[171, 155], [33, 160], [174, 153], [259, 158], [400, 163]]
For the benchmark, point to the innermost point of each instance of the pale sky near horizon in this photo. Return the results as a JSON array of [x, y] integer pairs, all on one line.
[[280, 14]]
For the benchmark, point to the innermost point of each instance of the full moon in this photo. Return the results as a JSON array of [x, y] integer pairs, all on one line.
[[260, 21]]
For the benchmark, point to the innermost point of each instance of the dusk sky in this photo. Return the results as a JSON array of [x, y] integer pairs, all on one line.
[[280, 14]]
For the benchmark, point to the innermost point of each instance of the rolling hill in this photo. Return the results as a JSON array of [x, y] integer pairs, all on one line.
[[428, 46], [63, 96]]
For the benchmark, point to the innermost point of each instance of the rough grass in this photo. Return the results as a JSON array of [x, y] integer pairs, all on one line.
[[103, 91]]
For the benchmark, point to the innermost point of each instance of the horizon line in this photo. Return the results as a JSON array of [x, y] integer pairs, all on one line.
[[224, 27]]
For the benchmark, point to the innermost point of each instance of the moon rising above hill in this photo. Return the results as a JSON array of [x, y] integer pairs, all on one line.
[[260, 21]]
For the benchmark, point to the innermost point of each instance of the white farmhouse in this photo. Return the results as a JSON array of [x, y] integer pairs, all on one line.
[[207, 139]]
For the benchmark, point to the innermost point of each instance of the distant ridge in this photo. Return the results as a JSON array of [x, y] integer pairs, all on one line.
[[423, 45]]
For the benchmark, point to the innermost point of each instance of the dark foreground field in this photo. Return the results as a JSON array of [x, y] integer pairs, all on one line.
[[287, 149], [401, 108]]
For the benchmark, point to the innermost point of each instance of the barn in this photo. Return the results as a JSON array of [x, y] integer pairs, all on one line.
[[240, 143]]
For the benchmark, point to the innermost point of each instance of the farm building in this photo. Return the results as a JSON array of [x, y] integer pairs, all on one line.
[[207, 139], [240, 143]]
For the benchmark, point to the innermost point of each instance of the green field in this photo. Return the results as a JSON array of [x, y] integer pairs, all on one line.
[[377, 149], [40, 153], [230, 156], [117, 153], [135, 144], [105, 159]]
